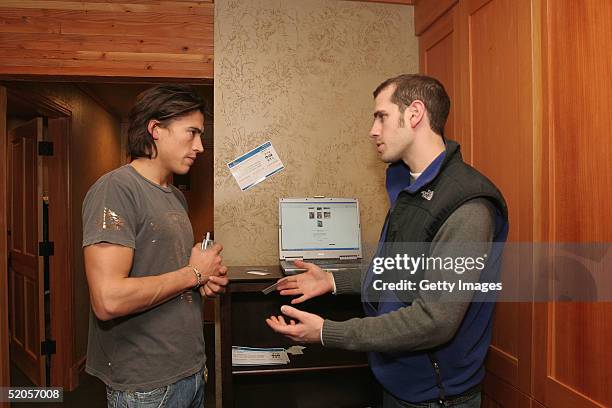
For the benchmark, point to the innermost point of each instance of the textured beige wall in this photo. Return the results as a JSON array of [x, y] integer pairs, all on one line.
[[301, 74]]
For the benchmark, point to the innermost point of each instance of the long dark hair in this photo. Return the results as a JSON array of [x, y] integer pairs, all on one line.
[[165, 103]]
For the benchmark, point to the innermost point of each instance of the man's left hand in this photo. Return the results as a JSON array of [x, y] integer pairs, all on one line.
[[307, 329], [214, 286]]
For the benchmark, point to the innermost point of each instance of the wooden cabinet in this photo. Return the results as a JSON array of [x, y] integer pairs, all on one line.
[[320, 377], [530, 110]]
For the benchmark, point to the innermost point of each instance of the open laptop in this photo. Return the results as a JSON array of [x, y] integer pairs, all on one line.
[[325, 231]]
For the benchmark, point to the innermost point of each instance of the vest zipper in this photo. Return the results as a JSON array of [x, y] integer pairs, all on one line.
[[436, 367]]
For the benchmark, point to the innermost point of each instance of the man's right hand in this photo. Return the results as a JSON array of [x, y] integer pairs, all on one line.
[[208, 262], [314, 282]]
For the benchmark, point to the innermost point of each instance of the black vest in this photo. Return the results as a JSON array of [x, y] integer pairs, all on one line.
[[415, 218]]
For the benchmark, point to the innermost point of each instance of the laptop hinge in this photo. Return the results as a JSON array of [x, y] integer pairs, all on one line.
[[348, 257], [294, 258]]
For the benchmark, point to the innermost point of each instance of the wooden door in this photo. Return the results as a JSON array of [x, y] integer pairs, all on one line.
[[496, 58], [25, 270], [438, 58], [572, 340]]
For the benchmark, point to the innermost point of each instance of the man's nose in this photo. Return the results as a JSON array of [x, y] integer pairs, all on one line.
[[198, 147], [374, 130]]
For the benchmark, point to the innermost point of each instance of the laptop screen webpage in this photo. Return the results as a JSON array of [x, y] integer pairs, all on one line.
[[319, 228]]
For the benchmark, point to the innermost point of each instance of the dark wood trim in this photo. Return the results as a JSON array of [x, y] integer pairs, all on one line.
[[60, 231], [208, 139], [4, 346], [223, 354]]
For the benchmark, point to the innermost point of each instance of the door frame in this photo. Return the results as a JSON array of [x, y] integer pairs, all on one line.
[[64, 371], [4, 343]]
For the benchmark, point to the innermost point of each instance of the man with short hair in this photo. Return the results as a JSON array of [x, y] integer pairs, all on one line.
[[426, 347], [145, 274]]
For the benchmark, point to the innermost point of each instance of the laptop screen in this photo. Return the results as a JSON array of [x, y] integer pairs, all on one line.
[[313, 228]]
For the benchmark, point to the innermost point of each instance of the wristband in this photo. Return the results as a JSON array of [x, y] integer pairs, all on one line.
[[198, 276]]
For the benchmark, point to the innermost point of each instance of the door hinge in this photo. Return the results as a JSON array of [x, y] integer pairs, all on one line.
[[45, 248], [45, 148], [47, 347]]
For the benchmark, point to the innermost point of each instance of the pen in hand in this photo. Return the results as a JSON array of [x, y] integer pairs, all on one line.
[[205, 241]]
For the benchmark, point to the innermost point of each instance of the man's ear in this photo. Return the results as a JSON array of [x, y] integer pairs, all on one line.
[[152, 128], [416, 113]]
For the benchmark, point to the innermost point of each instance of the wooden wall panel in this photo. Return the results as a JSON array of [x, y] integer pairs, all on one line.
[[483, 48], [171, 39], [499, 394], [575, 337], [438, 59], [428, 11], [499, 68], [92, 130], [530, 75]]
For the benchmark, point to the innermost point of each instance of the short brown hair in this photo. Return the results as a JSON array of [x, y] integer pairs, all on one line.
[[165, 103], [411, 87]]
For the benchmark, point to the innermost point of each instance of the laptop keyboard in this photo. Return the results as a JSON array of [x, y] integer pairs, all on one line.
[[330, 263], [334, 261]]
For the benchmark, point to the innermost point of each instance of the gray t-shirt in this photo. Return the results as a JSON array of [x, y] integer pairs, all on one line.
[[161, 345]]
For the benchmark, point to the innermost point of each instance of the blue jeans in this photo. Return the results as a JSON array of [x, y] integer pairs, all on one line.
[[187, 392], [473, 401]]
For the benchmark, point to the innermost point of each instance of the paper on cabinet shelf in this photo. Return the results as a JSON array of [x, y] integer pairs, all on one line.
[[252, 356], [295, 350]]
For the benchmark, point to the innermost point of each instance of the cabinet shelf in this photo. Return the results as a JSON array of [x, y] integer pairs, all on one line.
[[319, 377], [315, 358]]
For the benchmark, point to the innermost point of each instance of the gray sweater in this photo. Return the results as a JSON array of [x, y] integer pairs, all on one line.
[[428, 321]]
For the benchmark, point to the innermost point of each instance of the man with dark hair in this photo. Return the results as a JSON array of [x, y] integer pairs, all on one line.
[[144, 272], [426, 347]]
